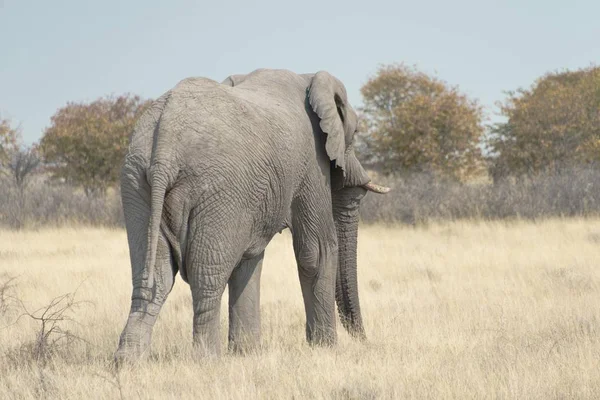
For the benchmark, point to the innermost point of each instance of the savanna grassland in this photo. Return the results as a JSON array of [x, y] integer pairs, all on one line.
[[458, 310]]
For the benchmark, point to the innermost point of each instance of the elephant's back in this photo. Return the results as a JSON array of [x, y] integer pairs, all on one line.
[[244, 148], [236, 146], [220, 122], [214, 127]]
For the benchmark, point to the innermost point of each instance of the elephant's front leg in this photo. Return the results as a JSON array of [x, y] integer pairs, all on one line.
[[315, 247], [244, 305], [317, 280]]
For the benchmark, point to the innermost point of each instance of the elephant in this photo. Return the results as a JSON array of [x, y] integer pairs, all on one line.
[[213, 172]]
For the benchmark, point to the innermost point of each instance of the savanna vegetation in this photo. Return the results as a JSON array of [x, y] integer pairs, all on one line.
[[477, 285], [420, 135], [452, 310], [417, 123]]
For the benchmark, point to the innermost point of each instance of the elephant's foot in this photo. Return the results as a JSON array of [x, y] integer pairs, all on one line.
[[134, 343], [319, 304], [128, 356], [244, 306], [321, 336], [244, 344], [204, 348], [130, 352]]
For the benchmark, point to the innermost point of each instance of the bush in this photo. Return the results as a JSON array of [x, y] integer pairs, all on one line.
[[51, 204], [420, 199], [415, 199]]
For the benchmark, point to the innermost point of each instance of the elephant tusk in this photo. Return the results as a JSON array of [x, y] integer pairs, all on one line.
[[373, 187]]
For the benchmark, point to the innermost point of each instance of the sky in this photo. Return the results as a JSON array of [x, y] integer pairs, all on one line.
[[53, 52]]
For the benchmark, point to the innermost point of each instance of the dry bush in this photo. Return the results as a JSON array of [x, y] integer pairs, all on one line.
[[7, 283], [52, 335], [51, 338], [417, 199], [48, 203]]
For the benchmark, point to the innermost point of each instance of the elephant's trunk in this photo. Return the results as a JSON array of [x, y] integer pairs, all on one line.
[[345, 210]]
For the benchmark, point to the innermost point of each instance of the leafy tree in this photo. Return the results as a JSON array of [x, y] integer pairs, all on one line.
[[86, 142], [553, 125], [418, 123]]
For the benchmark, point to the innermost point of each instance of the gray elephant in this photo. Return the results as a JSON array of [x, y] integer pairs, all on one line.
[[213, 172]]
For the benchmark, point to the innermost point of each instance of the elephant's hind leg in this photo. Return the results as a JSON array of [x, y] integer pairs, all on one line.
[[209, 264], [207, 282], [244, 305], [146, 302], [145, 306]]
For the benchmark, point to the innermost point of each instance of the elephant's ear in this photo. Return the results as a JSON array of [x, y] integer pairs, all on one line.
[[328, 99], [234, 80]]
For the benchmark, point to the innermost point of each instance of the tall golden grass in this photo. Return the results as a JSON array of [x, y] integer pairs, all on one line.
[[458, 310]]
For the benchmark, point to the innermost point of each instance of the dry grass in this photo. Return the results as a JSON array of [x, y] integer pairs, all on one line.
[[461, 310]]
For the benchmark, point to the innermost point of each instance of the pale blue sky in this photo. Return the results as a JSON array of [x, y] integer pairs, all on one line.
[[56, 51]]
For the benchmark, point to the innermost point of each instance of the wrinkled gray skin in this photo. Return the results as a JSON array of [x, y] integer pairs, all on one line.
[[214, 170]]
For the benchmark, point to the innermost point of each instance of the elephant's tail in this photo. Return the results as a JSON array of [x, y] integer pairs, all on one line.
[[161, 175], [158, 190]]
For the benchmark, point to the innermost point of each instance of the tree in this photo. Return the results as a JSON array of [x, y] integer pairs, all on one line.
[[22, 164], [9, 138], [416, 122], [551, 126], [86, 142], [17, 161]]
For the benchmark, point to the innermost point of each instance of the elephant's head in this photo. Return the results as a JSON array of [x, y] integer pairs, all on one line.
[[350, 183]]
